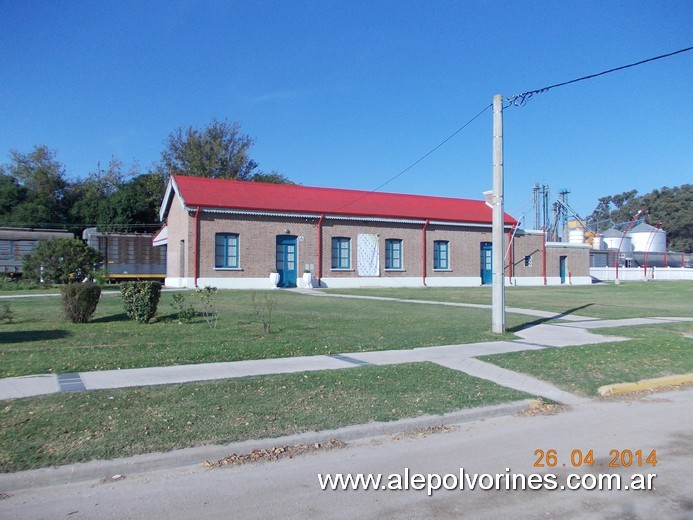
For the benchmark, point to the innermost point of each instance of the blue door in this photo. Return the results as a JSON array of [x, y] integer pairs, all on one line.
[[286, 260], [486, 263], [562, 267]]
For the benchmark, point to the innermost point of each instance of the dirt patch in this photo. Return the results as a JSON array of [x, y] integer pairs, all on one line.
[[425, 432], [540, 407], [276, 453]]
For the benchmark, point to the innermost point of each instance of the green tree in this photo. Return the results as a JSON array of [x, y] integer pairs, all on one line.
[[42, 178], [11, 194], [219, 151], [670, 208], [90, 197], [61, 260], [114, 200], [273, 177]]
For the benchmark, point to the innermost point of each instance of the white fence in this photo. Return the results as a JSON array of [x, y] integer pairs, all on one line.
[[639, 274]]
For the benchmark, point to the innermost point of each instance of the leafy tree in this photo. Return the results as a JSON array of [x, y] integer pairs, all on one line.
[[11, 194], [670, 208], [42, 180], [115, 200], [61, 260], [613, 209], [273, 177], [90, 196], [219, 151]]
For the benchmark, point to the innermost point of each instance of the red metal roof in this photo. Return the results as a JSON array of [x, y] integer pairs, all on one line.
[[291, 198]]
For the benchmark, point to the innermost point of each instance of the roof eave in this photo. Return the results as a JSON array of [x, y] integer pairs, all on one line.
[[171, 189]]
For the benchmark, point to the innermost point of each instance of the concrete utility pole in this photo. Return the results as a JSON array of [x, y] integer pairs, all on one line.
[[498, 250]]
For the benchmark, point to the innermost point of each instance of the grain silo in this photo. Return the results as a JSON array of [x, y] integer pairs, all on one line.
[[615, 239], [598, 243], [648, 239]]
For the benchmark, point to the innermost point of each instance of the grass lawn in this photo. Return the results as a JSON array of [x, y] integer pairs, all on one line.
[[653, 351], [65, 428], [608, 301], [40, 340]]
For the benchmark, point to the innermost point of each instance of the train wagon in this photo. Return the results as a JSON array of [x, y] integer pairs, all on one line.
[[128, 256], [15, 243]]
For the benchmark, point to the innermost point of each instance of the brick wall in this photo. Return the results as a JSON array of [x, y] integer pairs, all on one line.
[[179, 228], [257, 247], [257, 237]]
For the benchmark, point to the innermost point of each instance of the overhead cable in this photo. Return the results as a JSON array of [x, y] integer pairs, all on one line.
[[418, 160], [521, 99]]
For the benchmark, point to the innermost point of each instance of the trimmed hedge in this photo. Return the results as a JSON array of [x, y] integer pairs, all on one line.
[[141, 299], [80, 300]]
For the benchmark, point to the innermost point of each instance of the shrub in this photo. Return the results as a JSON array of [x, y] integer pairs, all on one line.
[[186, 313], [8, 283], [6, 313], [60, 260], [140, 299], [80, 300], [208, 297], [264, 309]]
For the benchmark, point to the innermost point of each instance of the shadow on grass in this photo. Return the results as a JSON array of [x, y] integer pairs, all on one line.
[[111, 319], [544, 320], [172, 317], [26, 336]]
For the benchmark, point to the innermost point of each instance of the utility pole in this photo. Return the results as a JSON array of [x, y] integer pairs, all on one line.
[[497, 250]]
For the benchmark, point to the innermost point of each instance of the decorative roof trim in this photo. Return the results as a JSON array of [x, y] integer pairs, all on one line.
[[171, 188], [252, 213], [338, 217]]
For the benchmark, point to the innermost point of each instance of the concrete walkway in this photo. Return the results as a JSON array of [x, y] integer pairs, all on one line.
[[457, 357]]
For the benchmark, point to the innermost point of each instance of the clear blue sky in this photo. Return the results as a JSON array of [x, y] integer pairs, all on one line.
[[348, 94]]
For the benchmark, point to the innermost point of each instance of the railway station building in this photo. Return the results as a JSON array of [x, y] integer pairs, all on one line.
[[254, 235]]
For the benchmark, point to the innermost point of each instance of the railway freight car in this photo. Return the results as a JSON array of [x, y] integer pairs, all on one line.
[[15, 243], [128, 256]]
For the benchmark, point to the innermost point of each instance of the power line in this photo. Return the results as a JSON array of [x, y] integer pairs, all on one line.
[[521, 99], [418, 160]]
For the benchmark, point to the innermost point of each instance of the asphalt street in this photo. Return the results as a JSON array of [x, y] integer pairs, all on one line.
[[290, 488]]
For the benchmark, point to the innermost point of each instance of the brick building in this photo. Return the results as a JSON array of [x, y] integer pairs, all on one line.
[[234, 234]]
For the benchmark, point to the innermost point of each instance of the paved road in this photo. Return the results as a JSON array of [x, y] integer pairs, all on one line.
[[289, 488]]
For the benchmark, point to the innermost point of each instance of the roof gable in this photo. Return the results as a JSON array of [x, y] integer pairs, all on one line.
[[291, 198]]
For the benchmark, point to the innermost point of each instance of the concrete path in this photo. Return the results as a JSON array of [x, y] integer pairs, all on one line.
[[457, 357]]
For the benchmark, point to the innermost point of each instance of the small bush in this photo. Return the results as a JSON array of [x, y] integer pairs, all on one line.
[[141, 299], [8, 283], [264, 310], [80, 301], [186, 313], [60, 260], [6, 313], [208, 297]]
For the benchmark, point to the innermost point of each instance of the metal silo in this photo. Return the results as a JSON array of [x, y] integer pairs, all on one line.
[[648, 239], [612, 238]]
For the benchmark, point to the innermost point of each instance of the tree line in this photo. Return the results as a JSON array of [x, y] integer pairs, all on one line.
[[36, 192], [668, 208]]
